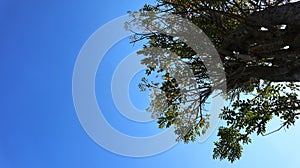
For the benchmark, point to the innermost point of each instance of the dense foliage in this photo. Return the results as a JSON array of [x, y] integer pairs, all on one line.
[[258, 42]]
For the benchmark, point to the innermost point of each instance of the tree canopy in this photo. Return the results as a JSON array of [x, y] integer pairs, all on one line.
[[258, 42]]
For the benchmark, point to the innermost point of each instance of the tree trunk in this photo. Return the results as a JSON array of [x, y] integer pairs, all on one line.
[[271, 54]]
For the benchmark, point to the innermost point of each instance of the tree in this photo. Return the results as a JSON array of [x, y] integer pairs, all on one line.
[[258, 42]]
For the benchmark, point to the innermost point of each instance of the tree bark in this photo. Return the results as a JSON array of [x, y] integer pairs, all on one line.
[[267, 57]]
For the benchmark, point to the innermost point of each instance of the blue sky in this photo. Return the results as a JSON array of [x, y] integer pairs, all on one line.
[[40, 41]]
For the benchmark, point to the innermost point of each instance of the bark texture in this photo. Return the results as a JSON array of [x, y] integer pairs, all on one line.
[[265, 46]]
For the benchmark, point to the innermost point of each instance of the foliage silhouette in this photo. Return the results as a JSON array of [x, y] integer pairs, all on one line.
[[258, 42]]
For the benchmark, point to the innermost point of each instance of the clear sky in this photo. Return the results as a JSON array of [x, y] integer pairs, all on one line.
[[40, 41]]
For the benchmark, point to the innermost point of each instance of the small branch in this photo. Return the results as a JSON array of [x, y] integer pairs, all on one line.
[[274, 131]]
